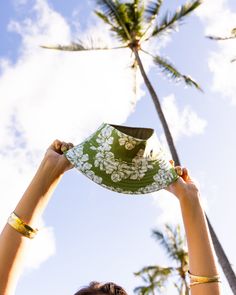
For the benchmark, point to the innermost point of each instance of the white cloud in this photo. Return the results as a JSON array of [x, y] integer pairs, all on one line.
[[217, 16], [49, 94], [168, 207], [184, 122], [219, 20], [45, 241]]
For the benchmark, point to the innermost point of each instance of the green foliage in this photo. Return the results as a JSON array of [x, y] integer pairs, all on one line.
[[74, 47], [168, 69], [138, 19], [152, 10], [169, 22], [116, 13], [172, 242], [134, 22], [155, 277], [124, 18]]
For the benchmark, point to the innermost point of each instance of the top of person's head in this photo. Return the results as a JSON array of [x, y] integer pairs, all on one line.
[[96, 288]]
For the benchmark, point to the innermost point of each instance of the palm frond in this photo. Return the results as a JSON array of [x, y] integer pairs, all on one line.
[[142, 290], [231, 36], [70, 47], [216, 38], [136, 15], [173, 73], [114, 27], [152, 10], [105, 18], [115, 16], [154, 270], [79, 47], [169, 22], [155, 278], [158, 235]]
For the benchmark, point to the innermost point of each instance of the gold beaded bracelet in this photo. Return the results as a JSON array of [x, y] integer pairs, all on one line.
[[19, 225], [196, 280]]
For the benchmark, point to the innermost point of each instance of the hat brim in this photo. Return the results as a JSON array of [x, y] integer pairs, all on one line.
[[139, 176]]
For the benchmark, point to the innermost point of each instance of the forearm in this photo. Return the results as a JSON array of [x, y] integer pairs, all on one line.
[[38, 193], [202, 260], [29, 209]]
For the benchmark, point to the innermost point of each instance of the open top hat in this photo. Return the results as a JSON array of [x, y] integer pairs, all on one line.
[[123, 159]]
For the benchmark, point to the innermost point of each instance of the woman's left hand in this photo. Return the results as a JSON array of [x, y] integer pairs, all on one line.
[[55, 157]]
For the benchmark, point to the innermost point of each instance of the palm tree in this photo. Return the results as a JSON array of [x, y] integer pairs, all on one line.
[[230, 37], [134, 23], [155, 277]]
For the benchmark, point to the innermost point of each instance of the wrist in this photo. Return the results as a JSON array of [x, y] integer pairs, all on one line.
[[185, 192], [190, 200], [49, 168]]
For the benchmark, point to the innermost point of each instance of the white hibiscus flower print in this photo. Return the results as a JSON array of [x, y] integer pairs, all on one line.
[[122, 172], [104, 143], [101, 159], [128, 141], [140, 166], [149, 188], [163, 177], [110, 164], [77, 157], [104, 140], [90, 174], [106, 131]]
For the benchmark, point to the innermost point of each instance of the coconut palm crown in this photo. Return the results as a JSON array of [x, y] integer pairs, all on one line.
[[156, 277], [134, 23]]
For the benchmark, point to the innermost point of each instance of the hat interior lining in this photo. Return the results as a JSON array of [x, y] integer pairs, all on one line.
[[140, 133]]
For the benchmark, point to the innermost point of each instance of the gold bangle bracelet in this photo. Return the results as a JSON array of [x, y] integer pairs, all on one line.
[[196, 280], [19, 225], [198, 283]]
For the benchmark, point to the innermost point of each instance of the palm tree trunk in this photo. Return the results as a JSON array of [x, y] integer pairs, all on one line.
[[159, 110], [222, 258]]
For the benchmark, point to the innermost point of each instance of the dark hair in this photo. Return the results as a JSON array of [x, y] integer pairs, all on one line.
[[96, 288]]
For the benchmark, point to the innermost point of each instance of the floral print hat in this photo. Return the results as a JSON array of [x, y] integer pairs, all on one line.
[[123, 159]]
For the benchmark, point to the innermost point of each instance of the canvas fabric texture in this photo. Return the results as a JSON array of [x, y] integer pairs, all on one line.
[[123, 159]]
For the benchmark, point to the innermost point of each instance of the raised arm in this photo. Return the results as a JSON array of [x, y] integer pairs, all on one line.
[[30, 207], [202, 262]]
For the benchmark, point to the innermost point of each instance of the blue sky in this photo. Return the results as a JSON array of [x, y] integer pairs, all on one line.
[[89, 233]]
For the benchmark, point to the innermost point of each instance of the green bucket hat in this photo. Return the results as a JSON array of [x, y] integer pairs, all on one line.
[[123, 159]]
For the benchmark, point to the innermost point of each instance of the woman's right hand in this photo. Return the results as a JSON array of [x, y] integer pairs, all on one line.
[[184, 186]]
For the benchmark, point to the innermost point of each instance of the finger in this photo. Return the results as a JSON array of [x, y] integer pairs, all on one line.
[[179, 170], [70, 145], [186, 174], [56, 145], [172, 162], [64, 146]]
